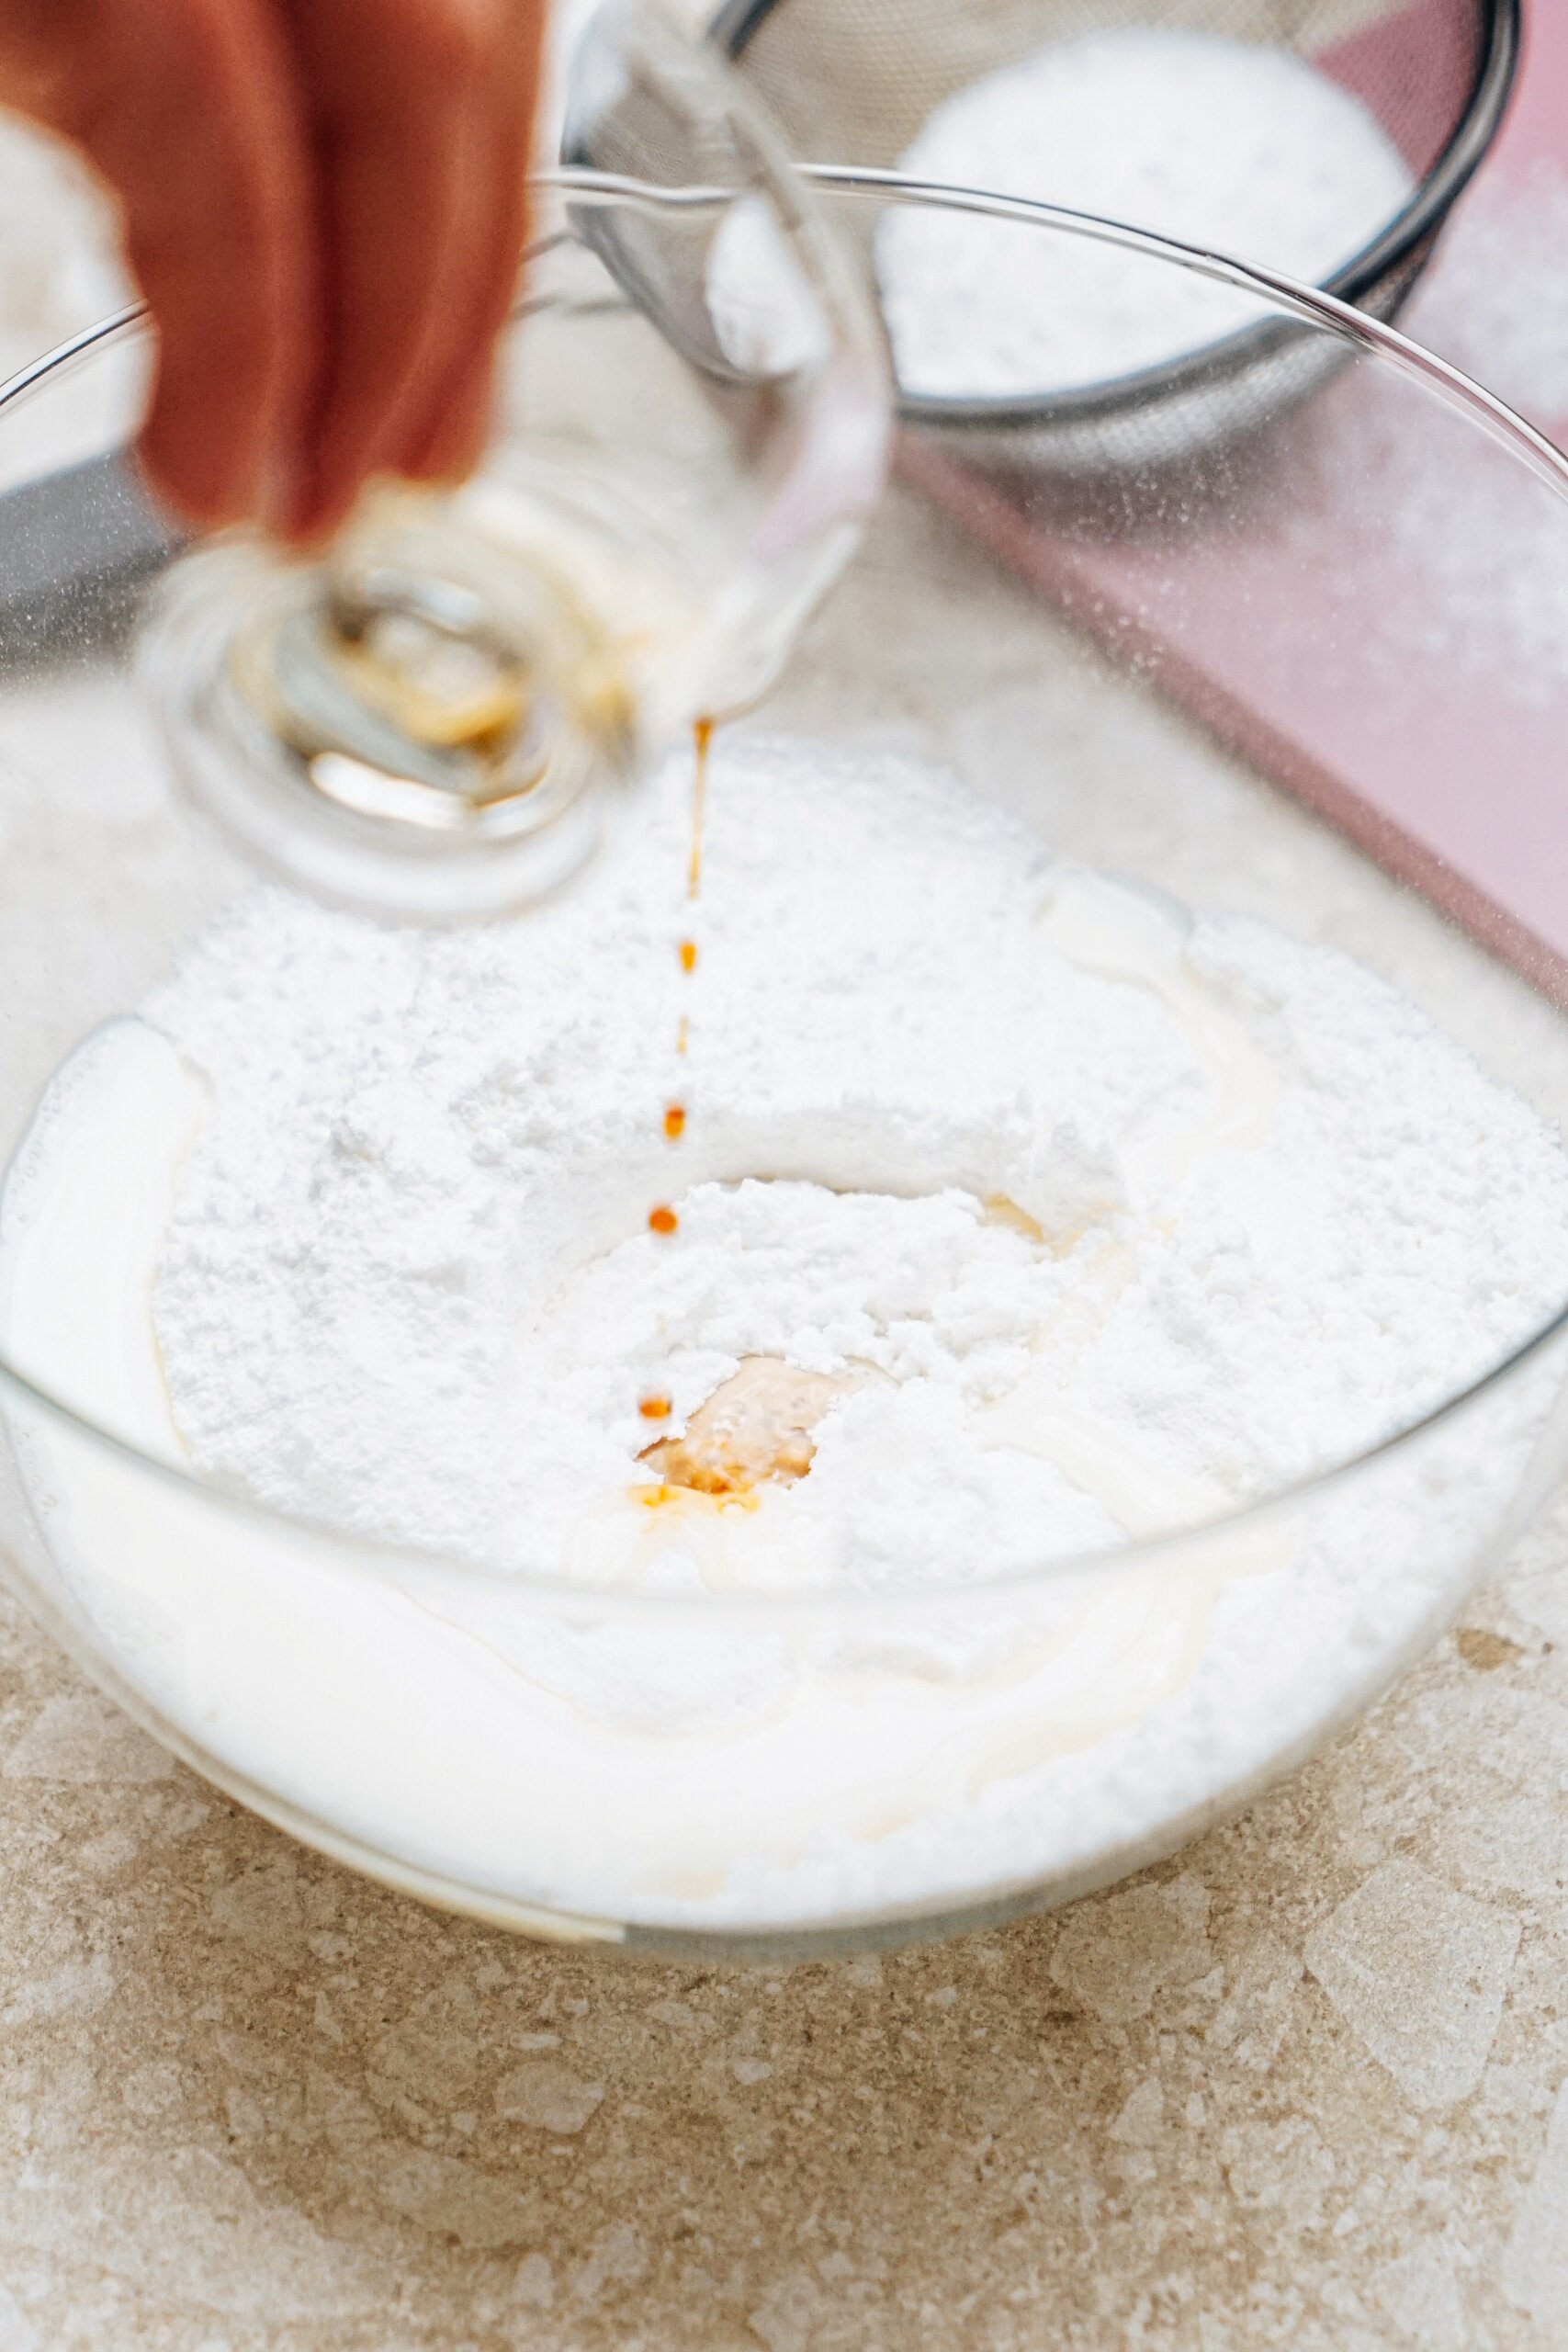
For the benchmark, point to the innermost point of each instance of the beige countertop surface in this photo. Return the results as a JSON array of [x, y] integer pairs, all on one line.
[[1305, 2084]]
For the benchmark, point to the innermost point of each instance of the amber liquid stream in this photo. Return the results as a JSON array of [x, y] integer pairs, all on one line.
[[663, 1218], [759, 1425]]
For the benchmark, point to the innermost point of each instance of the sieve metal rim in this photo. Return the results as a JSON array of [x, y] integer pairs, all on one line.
[[1398, 246]]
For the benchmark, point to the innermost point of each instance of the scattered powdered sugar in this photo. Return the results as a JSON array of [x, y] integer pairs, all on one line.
[[1218, 141], [1467, 548], [409, 1286], [1486, 542], [1484, 546], [1495, 298]]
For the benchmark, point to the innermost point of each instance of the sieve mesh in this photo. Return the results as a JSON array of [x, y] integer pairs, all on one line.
[[853, 83]]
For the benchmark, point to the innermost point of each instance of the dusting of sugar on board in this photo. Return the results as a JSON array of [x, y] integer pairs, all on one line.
[[1143, 1219]]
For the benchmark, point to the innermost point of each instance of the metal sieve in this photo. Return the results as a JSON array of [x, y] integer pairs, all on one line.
[[854, 84]]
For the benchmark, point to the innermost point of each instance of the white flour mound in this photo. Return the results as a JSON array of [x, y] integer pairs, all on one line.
[[409, 1285], [1219, 142]]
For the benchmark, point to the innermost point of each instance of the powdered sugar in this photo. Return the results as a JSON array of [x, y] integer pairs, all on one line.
[[1496, 299], [1487, 547], [409, 1285], [1219, 141], [1467, 550]]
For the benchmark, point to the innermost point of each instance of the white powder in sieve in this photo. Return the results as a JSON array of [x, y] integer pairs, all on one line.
[[409, 1284], [1217, 141]]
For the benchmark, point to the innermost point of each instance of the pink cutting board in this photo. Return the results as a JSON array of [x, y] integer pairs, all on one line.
[[1272, 629]]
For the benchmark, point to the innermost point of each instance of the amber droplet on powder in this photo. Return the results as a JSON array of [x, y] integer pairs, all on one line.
[[675, 1122], [758, 1426], [688, 955], [656, 1408], [663, 1220]]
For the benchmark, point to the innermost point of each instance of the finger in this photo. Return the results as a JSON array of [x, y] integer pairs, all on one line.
[[455, 327], [394, 126], [186, 110], [447, 440], [461, 432]]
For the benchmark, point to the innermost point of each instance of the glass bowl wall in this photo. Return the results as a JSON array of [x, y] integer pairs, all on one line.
[[981, 1792]]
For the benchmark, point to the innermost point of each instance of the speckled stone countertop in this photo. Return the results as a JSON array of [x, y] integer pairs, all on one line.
[[1304, 2086]]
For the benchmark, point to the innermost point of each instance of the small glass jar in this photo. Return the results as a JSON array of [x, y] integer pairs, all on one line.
[[692, 425]]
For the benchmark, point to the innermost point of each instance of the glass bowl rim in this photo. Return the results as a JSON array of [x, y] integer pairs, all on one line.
[[1314, 307]]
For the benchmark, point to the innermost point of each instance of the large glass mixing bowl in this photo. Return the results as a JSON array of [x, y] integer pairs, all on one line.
[[420, 1720]]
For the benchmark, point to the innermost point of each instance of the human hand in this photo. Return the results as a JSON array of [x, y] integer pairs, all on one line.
[[324, 206]]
